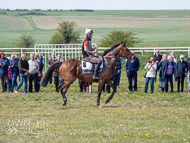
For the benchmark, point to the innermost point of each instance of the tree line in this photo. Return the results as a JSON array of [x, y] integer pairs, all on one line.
[[66, 34]]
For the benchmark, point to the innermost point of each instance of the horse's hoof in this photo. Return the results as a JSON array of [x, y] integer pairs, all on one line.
[[99, 106], [65, 105], [107, 101]]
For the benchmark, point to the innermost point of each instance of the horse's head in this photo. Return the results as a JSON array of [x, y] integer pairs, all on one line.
[[126, 53]]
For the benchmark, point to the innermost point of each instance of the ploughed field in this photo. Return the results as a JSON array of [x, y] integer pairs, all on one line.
[[155, 27]]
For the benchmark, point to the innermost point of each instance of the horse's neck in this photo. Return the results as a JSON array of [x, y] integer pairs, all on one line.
[[111, 62]]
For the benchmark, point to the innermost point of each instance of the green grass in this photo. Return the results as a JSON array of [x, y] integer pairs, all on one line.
[[129, 117]]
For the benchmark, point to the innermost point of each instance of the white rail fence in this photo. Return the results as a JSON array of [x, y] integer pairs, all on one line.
[[74, 51]]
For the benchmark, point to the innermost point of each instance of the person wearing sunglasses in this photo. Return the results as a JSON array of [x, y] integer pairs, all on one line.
[[181, 72]]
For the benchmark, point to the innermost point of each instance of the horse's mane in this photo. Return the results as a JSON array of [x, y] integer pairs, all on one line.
[[112, 47]]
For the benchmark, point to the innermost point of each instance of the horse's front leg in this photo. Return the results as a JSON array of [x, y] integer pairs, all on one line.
[[109, 83], [100, 86]]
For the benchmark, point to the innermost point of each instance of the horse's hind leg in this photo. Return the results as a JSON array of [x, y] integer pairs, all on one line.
[[63, 89], [100, 86], [109, 83]]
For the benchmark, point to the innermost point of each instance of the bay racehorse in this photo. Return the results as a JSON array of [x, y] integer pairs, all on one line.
[[72, 69]]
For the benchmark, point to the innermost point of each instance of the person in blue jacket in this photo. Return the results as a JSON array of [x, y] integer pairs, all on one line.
[[181, 72], [116, 75], [4, 63], [14, 71], [131, 71]]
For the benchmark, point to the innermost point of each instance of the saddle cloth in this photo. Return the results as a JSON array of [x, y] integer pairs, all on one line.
[[88, 67]]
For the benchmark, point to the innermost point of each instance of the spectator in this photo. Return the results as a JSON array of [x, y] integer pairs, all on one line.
[[24, 69], [14, 71], [33, 73], [16, 56], [151, 66], [160, 64], [60, 78], [56, 75], [40, 75], [88, 86], [173, 56], [119, 73], [81, 85], [115, 76], [127, 74], [9, 75], [4, 63], [158, 58], [188, 64], [181, 72], [174, 62], [167, 72], [51, 61], [41, 59], [131, 71]]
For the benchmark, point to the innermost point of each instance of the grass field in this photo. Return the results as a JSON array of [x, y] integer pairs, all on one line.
[[129, 117], [155, 27]]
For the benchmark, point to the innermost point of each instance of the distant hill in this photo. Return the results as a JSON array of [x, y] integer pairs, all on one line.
[[168, 27]]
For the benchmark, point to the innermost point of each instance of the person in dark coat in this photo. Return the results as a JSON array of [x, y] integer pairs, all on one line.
[[115, 76], [60, 78], [181, 72], [41, 65], [158, 58], [160, 64], [131, 71], [56, 75], [23, 69], [14, 71], [167, 72], [4, 64], [50, 62]]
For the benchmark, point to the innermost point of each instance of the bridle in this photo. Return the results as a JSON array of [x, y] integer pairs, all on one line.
[[123, 51]]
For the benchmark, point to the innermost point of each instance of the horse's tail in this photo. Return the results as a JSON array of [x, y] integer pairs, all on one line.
[[49, 72]]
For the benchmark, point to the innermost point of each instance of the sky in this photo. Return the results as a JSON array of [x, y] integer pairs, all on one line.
[[96, 4]]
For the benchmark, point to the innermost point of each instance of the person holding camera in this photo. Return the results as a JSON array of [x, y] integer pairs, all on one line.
[[151, 66]]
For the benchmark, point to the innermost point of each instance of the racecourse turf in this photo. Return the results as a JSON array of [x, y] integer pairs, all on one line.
[[128, 117]]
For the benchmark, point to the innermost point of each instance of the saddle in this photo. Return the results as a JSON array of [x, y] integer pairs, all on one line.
[[88, 67]]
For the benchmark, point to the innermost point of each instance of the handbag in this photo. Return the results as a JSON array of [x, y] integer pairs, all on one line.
[[162, 84], [40, 74], [146, 72]]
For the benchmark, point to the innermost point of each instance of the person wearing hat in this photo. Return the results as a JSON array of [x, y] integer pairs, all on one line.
[[4, 64], [88, 54], [181, 72]]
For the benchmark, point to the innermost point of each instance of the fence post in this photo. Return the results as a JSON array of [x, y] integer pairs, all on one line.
[[154, 51], [35, 48], [142, 52], [21, 51]]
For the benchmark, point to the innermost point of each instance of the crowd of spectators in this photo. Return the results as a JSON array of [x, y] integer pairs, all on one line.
[[169, 70]]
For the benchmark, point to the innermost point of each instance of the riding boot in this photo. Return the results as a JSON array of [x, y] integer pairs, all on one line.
[[95, 76]]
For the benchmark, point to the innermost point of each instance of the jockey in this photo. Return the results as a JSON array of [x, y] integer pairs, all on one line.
[[87, 53]]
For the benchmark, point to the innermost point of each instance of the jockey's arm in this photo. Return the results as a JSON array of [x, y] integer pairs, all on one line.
[[88, 51], [96, 47]]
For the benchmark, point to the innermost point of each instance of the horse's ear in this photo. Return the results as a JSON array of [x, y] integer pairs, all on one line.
[[123, 43]]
